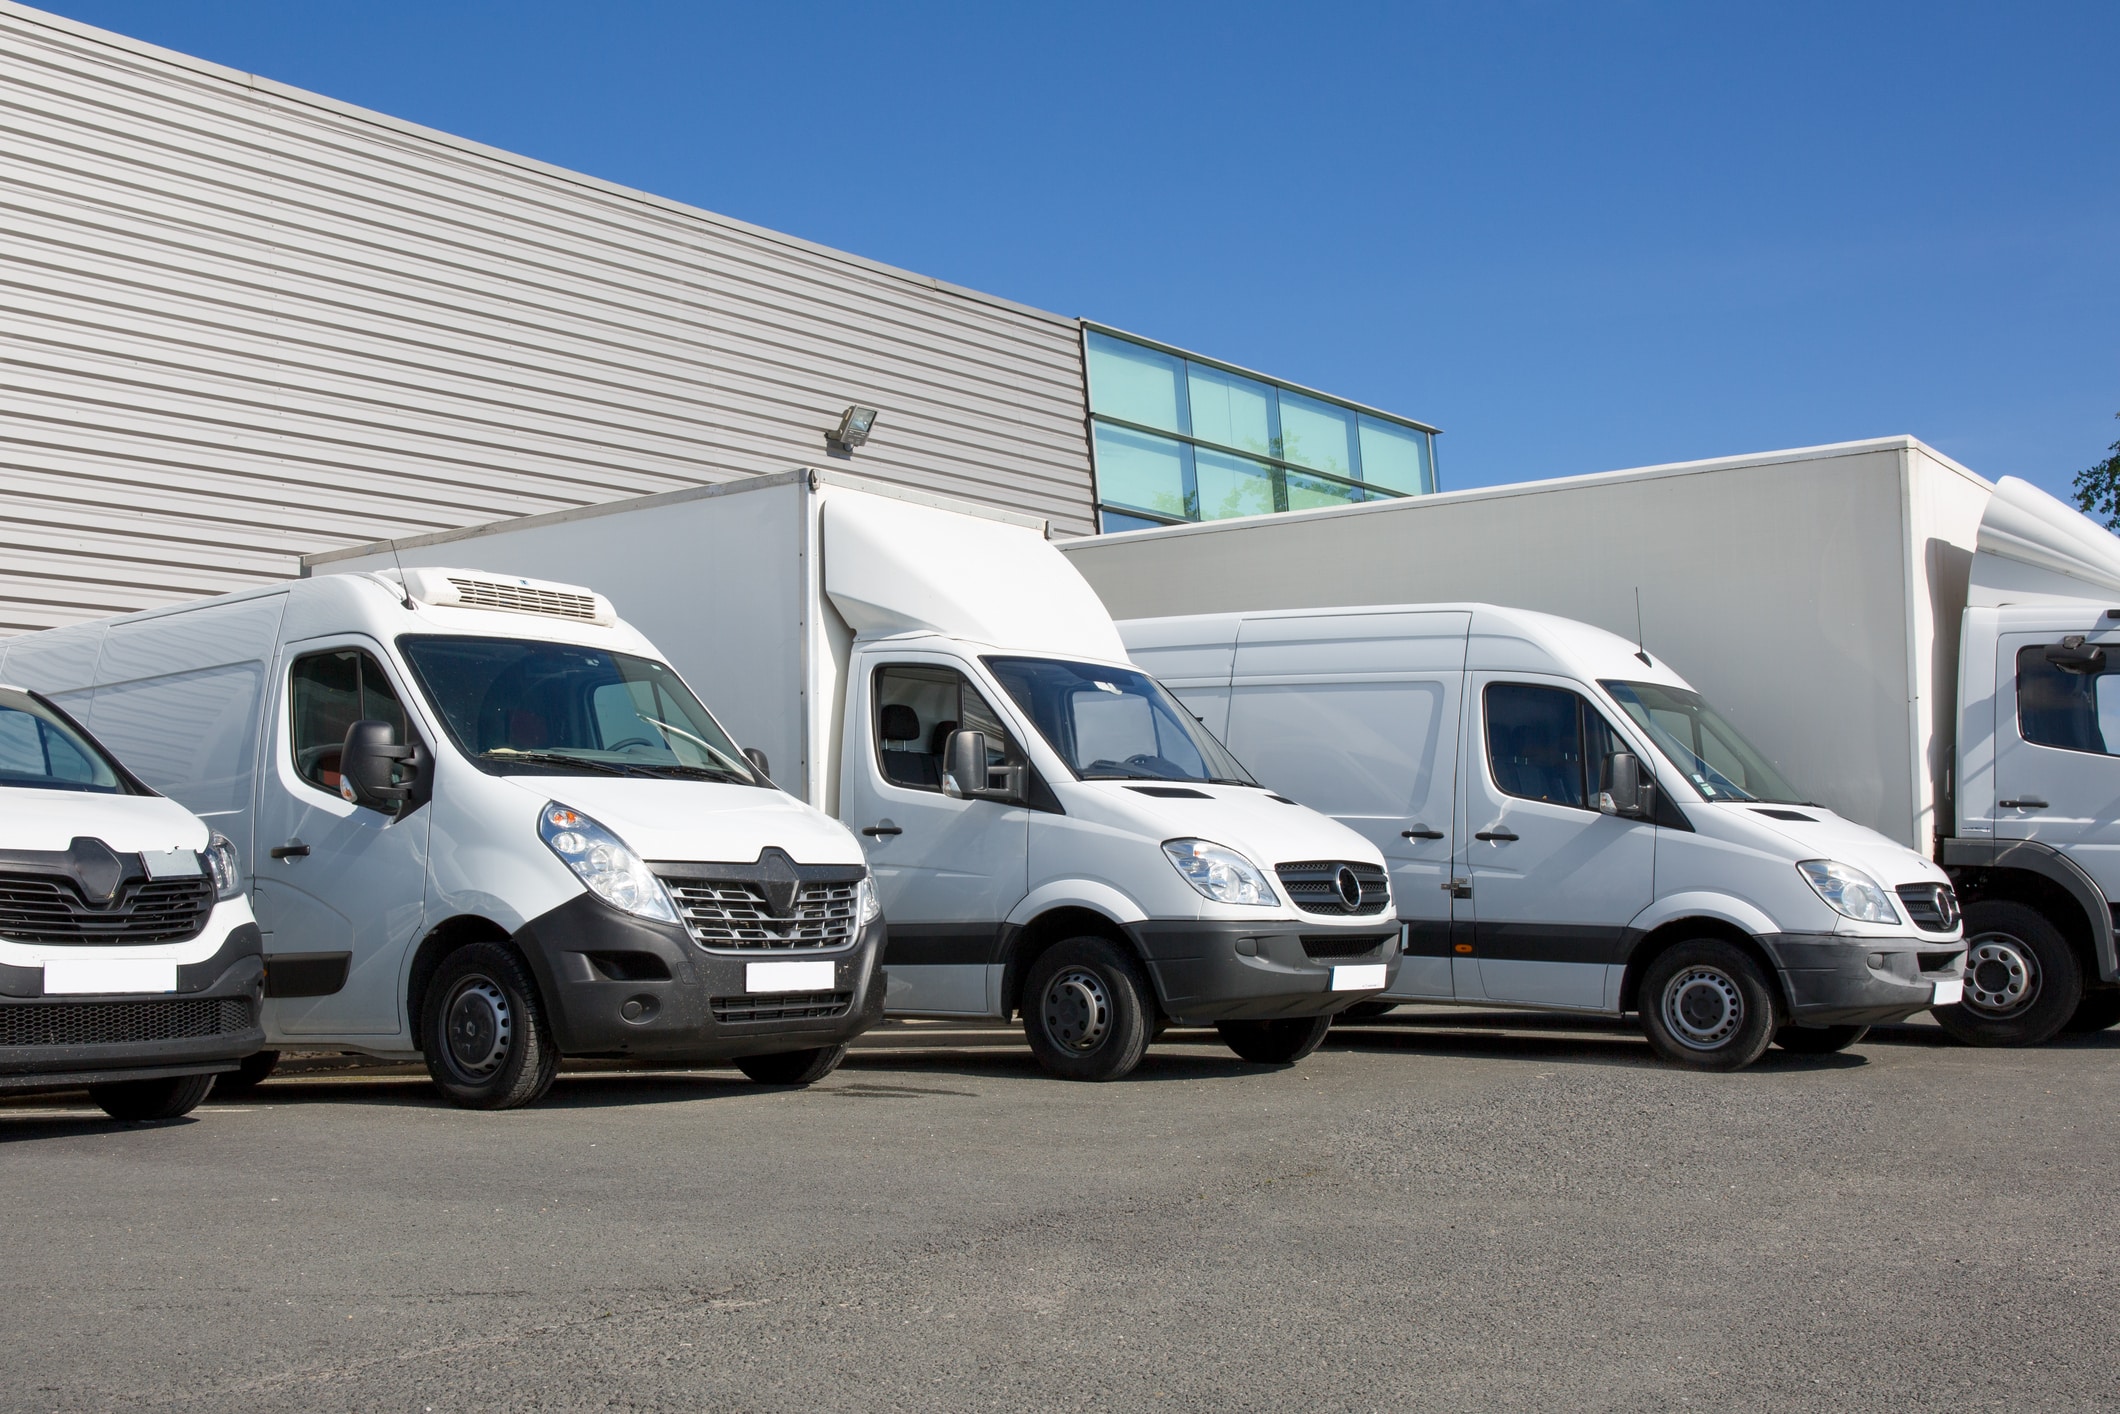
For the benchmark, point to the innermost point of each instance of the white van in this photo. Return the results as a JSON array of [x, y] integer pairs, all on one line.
[[486, 824], [1051, 834], [1571, 827], [129, 962]]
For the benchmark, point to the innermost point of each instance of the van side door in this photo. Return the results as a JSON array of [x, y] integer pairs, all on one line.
[[2057, 746], [1554, 882]]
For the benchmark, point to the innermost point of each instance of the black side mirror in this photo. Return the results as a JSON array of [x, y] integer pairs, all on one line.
[[966, 776], [757, 759], [1627, 787], [377, 772], [2072, 655]]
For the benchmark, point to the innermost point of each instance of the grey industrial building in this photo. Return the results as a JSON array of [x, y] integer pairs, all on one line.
[[240, 323]]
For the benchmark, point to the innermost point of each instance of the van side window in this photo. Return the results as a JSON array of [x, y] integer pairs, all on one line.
[[2074, 711], [1547, 743], [917, 707], [327, 693]]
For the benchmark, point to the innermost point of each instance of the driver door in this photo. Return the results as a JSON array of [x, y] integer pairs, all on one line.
[[2057, 750]]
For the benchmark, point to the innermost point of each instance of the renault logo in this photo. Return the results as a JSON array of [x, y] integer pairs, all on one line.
[[1349, 886]]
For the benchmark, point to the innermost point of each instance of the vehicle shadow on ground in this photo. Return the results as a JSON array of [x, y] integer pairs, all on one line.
[[25, 1124], [1545, 1039], [1179, 1056]]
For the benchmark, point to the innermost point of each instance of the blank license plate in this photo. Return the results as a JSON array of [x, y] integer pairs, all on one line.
[[1948, 993], [1361, 977], [63, 976], [791, 977]]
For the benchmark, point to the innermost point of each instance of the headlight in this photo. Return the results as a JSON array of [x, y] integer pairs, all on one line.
[[1220, 873], [1851, 892], [602, 861], [220, 857], [867, 907]]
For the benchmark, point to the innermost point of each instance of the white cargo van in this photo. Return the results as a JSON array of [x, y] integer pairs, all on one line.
[[128, 957], [1570, 826], [1898, 635], [487, 824], [1051, 834]]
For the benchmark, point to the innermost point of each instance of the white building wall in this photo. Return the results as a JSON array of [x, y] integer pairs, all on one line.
[[239, 323]]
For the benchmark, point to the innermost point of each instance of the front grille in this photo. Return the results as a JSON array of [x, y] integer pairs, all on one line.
[[1320, 945], [112, 1023], [1932, 907], [724, 913], [49, 908], [785, 1006], [1314, 887], [523, 599]]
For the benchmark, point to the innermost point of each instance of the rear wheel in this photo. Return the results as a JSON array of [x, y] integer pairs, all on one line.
[[1706, 1004], [483, 1031], [1281, 1042], [1818, 1040], [1087, 1010], [793, 1067], [2096, 1011], [249, 1075], [2022, 980], [170, 1098]]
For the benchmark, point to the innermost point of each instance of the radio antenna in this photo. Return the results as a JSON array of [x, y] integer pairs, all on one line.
[[405, 588], [1641, 644]]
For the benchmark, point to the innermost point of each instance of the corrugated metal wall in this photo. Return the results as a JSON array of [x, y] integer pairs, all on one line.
[[239, 323]]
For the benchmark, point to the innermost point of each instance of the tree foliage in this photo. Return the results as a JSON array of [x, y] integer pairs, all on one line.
[[2098, 489]]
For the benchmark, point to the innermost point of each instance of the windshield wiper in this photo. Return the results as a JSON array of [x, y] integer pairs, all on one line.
[[555, 758], [704, 773]]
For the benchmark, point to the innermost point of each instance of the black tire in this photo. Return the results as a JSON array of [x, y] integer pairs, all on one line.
[[793, 1067], [1818, 1040], [483, 1030], [2023, 981], [1367, 1011], [1282, 1042], [1087, 1010], [170, 1098], [249, 1075], [2096, 1011], [1706, 1004]]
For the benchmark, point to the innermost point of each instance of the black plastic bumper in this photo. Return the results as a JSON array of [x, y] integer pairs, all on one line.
[[621, 986], [1833, 981], [1207, 972], [208, 1024]]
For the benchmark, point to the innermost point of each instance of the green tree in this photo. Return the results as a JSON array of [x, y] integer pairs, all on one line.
[[2098, 489]]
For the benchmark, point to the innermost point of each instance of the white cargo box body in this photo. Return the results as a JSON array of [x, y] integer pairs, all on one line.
[[1814, 595]]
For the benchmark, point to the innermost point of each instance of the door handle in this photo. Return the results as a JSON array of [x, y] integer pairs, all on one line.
[[293, 849], [1420, 832], [873, 831], [2030, 802], [1495, 835]]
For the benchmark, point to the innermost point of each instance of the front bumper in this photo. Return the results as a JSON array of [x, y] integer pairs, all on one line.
[[208, 1024], [619, 986], [1236, 971], [1831, 980]]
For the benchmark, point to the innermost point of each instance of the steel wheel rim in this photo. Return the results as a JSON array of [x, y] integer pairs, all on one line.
[[2001, 976], [1703, 1008], [1077, 1009], [479, 1028]]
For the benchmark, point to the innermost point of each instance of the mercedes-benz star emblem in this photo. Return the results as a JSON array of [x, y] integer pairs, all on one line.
[[1349, 886]]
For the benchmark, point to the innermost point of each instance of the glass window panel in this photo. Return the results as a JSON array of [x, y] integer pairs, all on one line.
[[1317, 435], [1137, 384], [1232, 486], [1236, 412], [1395, 458], [1135, 469], [1306, 493], [1116, 521]]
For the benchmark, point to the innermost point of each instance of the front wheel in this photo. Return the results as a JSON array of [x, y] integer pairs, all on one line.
[[2022, 979], [170, 1098], [1818, 1040], [1706, 1004], [483, 1032], [793, 1067], [1087, 1010], [1282, 1042]]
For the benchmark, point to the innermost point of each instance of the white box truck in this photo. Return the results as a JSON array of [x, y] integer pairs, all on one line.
[[1051, 834], [486, 824], [129, 962], [1915, 648], [1570, 826]]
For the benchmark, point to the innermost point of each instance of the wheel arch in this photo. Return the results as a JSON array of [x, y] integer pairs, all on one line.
[[444, 938], [1028, 941], [1668, 935], [2056, 896]]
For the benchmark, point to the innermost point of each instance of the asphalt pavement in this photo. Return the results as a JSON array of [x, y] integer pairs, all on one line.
[[1438, 1210]]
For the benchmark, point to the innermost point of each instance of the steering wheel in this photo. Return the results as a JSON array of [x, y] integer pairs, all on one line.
[[630, 742]]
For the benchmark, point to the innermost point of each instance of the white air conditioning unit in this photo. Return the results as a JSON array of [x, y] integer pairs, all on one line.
[[506, 594]]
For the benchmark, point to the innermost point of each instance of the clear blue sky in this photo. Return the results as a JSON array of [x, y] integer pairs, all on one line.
[[1575, 236]]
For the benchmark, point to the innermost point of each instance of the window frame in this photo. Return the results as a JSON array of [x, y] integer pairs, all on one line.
[[2017, 693], [1593, 785], [1012, 753], [368, 653]]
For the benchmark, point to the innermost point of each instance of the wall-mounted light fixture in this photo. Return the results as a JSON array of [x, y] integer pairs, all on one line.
[[853, 428]]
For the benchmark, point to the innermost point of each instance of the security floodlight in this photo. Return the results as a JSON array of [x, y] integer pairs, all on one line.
[[853, 428]]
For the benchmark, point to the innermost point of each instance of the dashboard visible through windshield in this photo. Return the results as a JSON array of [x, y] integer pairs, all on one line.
[[1115, 724]]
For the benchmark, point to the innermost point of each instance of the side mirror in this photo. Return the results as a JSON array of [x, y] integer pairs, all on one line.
[[377, 772], [757, 759], [2072, 655], [966, 776], [1627, 787]]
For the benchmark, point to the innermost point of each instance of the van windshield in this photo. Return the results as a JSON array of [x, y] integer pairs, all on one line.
[[1694, 737], [1115, 724], [41, 750], [524, 706]]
